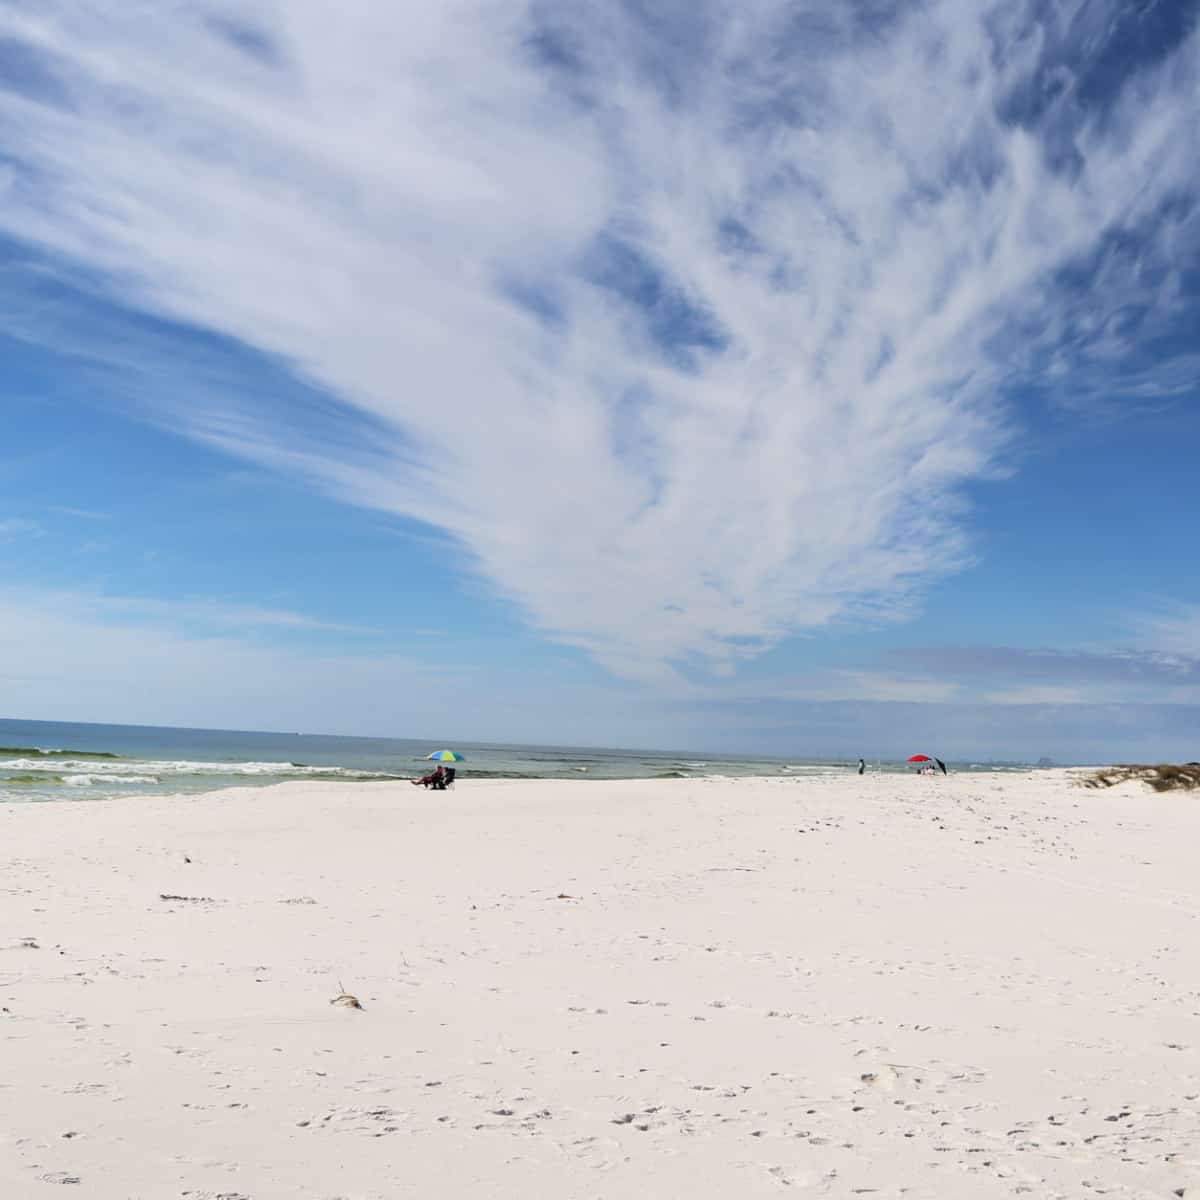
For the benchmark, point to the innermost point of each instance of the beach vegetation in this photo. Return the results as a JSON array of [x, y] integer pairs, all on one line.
[[1162, 777]]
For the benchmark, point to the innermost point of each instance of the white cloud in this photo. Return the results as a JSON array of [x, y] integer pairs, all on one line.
[[690, 336], [1159, 670], [84, 657], [152, 612], [81, 657], [11, 527], [1172, 627], [869, 685], [212, 613], [90, 658], [1038, 694], [82, 514], [824, 684]]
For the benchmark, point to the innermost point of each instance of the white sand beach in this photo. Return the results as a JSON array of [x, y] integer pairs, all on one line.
[[973, 986]]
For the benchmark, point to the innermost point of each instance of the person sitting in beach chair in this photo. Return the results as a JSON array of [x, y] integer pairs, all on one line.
[[436, 779], [447, 780]]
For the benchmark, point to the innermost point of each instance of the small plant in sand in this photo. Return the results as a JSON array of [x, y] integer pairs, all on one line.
[[345, 1000], [1164, 777]]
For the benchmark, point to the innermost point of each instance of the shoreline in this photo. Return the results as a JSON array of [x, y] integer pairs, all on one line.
[[98, 786], [604, 988], [45, 761]]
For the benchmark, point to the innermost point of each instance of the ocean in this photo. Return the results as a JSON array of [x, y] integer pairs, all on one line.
[[50, 760]]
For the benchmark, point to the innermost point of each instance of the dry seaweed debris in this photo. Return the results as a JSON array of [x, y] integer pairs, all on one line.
[[345, 999], [1164, 777]]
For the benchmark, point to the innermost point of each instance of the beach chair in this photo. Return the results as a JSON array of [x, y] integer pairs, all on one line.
[[446, 781]]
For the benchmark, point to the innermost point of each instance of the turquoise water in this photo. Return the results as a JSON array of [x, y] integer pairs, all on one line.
[[47, 760]]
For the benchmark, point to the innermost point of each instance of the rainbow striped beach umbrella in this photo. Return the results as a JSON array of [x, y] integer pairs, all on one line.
[[446, 756]]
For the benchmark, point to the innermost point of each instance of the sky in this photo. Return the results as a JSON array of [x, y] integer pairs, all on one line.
[[786, 378]]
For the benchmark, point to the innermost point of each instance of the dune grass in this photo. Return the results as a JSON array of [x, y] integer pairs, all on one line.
[[1163, 777]]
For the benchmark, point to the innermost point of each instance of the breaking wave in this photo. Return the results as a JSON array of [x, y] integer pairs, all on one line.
[[93, 780], [29, 751], [129, 767], [31, 773]]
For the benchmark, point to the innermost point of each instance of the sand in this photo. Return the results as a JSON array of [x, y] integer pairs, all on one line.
[[973, 986]]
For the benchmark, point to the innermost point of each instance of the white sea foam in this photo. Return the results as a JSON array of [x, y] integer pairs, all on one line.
[[127, 768], [94, 779]]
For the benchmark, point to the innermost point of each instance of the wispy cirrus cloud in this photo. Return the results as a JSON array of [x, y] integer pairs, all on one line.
[[70, 656], [73, 656], [1043, 694], [1171, 626], [1149, 663], [1159, 669], [688, 324], [12, 527], [80, 514], [151, 612], [228, 616]]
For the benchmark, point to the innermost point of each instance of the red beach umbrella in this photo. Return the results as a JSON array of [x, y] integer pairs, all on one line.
[[920, 758]]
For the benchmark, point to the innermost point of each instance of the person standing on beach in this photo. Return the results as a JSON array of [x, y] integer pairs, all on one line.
[[862, 766]]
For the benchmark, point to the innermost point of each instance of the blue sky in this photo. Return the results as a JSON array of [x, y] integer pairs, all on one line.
[[815, 380]]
